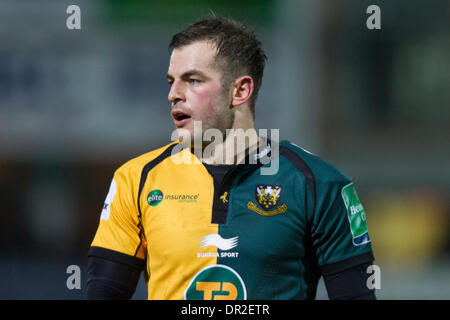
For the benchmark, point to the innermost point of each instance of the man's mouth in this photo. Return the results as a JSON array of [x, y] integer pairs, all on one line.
[[180, 118]]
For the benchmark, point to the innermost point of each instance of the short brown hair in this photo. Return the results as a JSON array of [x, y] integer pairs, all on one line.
[[236, 44]]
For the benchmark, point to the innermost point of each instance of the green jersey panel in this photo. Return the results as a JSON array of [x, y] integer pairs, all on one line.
[[338, 222]]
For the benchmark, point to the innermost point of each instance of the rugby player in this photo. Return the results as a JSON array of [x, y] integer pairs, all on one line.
[[211, 225]]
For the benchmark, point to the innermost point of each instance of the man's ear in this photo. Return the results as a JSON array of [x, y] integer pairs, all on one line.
[[242, 90]]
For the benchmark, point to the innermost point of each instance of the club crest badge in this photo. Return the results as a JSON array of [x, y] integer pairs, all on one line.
[[268, 197]]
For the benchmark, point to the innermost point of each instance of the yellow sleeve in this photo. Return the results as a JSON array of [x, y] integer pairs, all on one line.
[[120, 228]]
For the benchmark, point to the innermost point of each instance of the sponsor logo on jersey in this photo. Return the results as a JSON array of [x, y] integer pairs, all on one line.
[[216, 282], [356, 215], [224, 197], [109, 199], [188, 198], [267, 196], [156, 196], [216, 240]]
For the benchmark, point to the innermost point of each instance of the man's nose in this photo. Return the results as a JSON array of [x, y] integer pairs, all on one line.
[[175, 93]]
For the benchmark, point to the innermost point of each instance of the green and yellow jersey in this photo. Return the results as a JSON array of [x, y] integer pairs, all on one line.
[[199, 234]]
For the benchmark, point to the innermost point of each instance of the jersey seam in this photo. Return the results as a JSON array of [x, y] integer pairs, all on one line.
[[311, 185]]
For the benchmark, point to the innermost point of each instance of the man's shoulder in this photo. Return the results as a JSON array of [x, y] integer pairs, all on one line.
[[320, 169], [137, 164]]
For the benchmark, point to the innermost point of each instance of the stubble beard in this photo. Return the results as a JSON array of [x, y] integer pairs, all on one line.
[[222, 119]]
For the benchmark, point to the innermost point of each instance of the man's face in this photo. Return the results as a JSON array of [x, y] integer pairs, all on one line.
[[196, 92]]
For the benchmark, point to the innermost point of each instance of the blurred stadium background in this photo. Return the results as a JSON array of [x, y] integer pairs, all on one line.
[[76, 104]]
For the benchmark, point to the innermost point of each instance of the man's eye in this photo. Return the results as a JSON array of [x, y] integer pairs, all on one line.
[[194, 81]]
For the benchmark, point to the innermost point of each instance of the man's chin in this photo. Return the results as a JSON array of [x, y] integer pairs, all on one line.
[[194, 137], [196, 145]]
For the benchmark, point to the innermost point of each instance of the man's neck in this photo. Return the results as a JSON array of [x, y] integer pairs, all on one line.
[[240, 140], [233, 150]]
